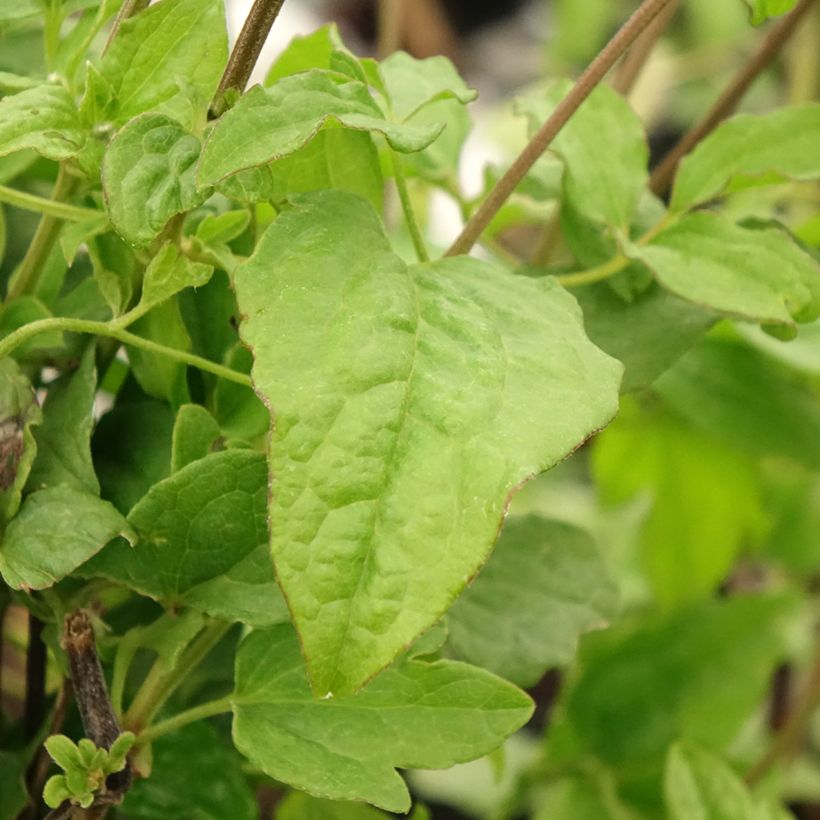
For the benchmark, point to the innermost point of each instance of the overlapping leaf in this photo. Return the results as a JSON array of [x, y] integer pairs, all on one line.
[[44, 118], [57, 530], [409, 404], [761, 10], [783, 142], [415, 715], [270, 123], [166, 59], [760, 275], [202, 533], [545, 583], [149, 175]]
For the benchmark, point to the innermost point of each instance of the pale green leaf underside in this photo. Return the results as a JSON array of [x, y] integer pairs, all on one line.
[[783, 142], [270, 123], [168, 58], [194, 436], [604, 149], [760, 275], [414, 715], [202, 533], [411, 84], [57, 530], [44, 118], [409, 405], [149, 175], [168, 273], [545, 583]]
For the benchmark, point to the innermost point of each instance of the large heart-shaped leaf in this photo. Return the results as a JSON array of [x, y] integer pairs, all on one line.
[[409, 403]]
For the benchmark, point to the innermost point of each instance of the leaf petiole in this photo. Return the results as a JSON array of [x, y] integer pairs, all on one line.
[[164, 727]]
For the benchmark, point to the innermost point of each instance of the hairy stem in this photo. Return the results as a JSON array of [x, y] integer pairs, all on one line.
[[50, 207], [245, 52], [164, 727], [787, 741], [635, 59], [585, 85], [27, 276], [161, 682], [726, 104], [407, 207], [26, 332]]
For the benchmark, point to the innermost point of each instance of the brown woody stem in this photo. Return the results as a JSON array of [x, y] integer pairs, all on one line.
[[725, 105], [245, 52], [592, 76]]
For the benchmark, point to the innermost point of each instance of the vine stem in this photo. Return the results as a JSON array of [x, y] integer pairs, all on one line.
[[27, 275], [26, 332], [661, 180], [635, 59], [245, 52], [585, 85], [128, 9], [407, 207], [164, 727], [50, 207], [161, 682], [787, 740]]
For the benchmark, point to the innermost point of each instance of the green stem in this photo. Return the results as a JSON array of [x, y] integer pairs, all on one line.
[[60, 210], [161, 682], [26, 332], [26, 278], [164, 727], [596, 274], [407, 207]]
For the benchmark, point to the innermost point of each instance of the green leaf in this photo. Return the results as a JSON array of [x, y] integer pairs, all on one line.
[[221, 228], [582, 798], [201, 536], [12, 783], [695, 675], [303, 53], [544, 584], [168, 59], [758, 275], [195, 774], [783, 142], [698, 785], [705, 499], [270, 123], [128, 466], [761, 10], [387, 383], [149, 175], [11, 10], [747, 399], [603, 184], [56, 530], [414, 715], [647, 334], [195, 432], [168, 273], [19, 412], [335, 158], [64, 437], [64, 752], [44, 118], [301, 806], [411, 83]]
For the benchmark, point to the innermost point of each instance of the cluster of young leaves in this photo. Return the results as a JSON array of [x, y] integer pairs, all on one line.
[[366, 426]]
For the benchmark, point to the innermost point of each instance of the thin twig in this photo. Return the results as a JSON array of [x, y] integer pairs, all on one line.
[[635, 59], [128, 9], [245, 52], [788, 740], [592, 76], [407, 207], [726, 104]]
